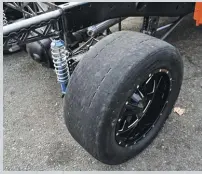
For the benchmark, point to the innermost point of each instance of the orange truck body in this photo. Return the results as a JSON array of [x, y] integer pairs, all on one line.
[[198, 13]]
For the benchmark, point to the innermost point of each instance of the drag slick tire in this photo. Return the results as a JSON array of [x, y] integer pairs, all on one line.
[[121, 93]]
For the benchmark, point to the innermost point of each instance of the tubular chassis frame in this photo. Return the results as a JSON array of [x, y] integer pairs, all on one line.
[[71, 17]]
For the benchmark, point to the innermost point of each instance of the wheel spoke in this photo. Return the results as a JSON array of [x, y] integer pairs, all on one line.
[[147, 106], [141, 94], [134, 107], [133, 124], [126, 128], [155, 87], [159, 82], [123, 127]]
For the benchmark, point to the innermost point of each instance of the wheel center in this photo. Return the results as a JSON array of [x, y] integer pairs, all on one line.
[[142, 109]]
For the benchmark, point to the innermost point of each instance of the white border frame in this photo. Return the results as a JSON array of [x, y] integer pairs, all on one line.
[[1, 100]]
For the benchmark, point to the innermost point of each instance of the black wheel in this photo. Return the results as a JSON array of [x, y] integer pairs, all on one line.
[[121, 93]]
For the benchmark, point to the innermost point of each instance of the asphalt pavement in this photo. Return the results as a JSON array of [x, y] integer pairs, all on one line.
[[36, 138]]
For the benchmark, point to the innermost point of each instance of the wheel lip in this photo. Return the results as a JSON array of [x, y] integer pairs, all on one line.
[[161, 70]]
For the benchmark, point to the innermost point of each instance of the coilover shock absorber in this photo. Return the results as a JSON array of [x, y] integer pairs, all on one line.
[[59, 56], [5, 22]]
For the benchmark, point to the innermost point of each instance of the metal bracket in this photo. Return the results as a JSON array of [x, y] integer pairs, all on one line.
[[150, 25]]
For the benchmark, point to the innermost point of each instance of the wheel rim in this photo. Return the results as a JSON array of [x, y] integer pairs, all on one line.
[[143, 108]]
